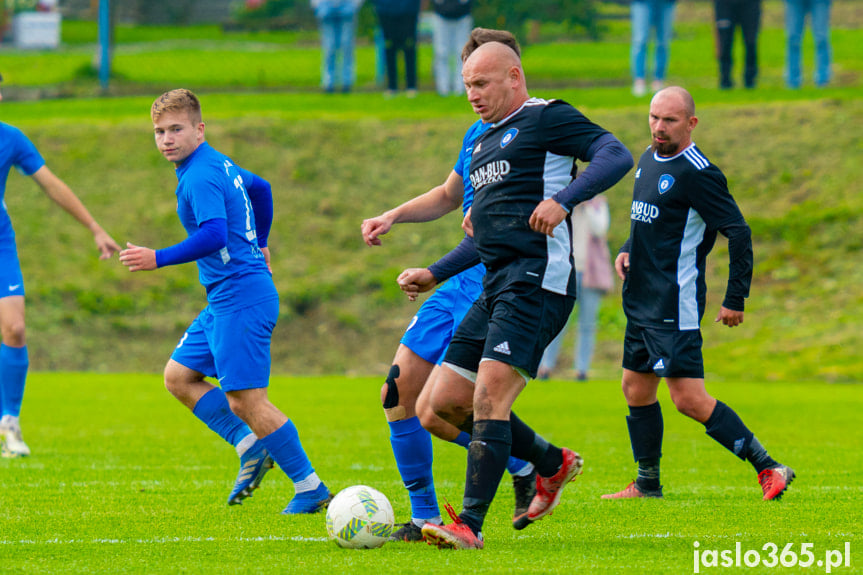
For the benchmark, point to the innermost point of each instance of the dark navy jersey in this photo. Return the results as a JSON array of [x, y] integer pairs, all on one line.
[[517, 163], [679, 203]]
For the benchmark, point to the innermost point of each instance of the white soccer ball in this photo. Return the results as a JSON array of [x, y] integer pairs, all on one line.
[[360, 517]]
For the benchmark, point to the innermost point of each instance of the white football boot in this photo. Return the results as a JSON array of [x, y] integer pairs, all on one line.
[[11, 443]]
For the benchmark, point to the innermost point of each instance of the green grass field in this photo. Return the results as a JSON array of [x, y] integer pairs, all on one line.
[[124, 480]]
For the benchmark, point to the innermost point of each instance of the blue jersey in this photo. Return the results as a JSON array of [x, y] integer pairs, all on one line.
[[211, 187], [462, 168], [15, 150], [462, 165]]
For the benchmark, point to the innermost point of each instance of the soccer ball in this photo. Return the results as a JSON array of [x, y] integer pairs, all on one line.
[[360, 517]]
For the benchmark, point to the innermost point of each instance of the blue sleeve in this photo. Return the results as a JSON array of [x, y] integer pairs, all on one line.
[[261, 195], [609, 162], [211, 236], [26, 158], [462, 257]]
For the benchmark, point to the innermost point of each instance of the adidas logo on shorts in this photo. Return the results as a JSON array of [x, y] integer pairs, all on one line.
[[503, 348], [659, 365]]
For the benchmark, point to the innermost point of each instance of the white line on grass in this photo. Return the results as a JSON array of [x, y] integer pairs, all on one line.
[[158, 540]]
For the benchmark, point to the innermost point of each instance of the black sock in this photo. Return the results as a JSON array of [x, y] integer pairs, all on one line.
[[645, 431], [530, 446], [758, 456], [487, 456], [648, 474], [728, 429], [645, 435]]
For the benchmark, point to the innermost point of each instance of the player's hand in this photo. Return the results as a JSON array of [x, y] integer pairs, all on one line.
[[266, 252], [729, 317], [106, 244], [466, 224], [138, 258], [621, 265], [414, 281], [547, 216], [372, 228]]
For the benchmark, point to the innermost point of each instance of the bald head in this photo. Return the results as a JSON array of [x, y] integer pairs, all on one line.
[[675, 95], [494, 54], [494, 81]]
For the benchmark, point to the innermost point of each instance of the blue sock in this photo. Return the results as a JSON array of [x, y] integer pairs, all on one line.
[[463, 439], [412, 448], [14, 362], [513, 465], [285, 448], [213, 410]]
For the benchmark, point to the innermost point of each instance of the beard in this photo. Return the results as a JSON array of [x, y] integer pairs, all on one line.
[[665, 148]]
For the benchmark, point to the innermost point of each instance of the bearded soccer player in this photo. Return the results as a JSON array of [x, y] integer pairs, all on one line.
[[680, 202], [227, 213], [17, 150]]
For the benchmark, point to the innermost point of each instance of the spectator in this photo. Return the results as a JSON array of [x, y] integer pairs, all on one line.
[[593, 277], [451, 28], [338, 23], [399, 20], [646, 15], [729, 15], [795, 18]]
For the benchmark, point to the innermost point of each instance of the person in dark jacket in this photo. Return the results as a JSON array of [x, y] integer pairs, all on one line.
[[399, 20]]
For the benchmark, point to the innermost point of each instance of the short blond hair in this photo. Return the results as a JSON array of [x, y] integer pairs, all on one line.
[[180, 100]]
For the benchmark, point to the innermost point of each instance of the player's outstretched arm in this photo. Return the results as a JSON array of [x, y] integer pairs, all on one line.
[[212, 235], [429, 206], [63, 196]]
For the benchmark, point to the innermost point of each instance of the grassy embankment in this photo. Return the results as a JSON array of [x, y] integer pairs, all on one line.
[[792, 159]]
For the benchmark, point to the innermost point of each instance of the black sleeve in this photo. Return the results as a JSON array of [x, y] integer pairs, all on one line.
[[462, 257], [609, 162], [567, 132], [713, 202], [626, 247], [740, 264]]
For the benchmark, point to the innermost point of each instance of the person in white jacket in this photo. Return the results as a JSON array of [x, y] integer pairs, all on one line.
[[594, 277]]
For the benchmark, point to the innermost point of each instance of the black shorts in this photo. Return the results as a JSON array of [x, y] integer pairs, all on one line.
[[514, 327], [665, 352]]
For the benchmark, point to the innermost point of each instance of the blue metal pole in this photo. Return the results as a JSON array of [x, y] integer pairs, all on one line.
[[104, 43]]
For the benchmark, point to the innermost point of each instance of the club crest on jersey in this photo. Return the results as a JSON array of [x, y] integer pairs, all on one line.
[[508, 137], [665, 183]]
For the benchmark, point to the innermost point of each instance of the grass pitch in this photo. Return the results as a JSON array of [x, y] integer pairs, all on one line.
[[124, 480]]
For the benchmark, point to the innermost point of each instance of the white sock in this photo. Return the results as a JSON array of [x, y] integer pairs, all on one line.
[[245, 443], [310, 483]]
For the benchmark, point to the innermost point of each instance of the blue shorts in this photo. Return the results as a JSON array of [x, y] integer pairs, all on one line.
[[665, 352], [11, 280], [432, 328], [513, 327], [232, 347]]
